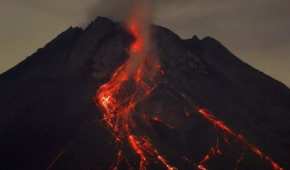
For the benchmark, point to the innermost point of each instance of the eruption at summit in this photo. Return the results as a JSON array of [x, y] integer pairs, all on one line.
[[160, 102], [130, 85]]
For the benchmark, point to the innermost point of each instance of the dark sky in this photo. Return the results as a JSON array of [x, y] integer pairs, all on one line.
[[258, 31]]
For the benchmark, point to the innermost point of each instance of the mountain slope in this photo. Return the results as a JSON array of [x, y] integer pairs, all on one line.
[[48, 109]]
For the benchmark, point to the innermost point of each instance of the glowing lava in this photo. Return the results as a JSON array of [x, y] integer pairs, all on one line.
[[238, 137], [131, 83]]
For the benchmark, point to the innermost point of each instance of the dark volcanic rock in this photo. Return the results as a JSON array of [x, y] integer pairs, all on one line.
[[47, 105]]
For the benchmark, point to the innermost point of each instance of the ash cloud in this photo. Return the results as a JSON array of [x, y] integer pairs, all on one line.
[[118, 10]]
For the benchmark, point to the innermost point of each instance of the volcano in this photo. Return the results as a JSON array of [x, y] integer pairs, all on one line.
[[79, 103]]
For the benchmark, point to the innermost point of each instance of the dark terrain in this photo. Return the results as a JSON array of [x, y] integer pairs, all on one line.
[[47, 101]]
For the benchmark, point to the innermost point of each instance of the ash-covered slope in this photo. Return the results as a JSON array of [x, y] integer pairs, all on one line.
[[49, 118]]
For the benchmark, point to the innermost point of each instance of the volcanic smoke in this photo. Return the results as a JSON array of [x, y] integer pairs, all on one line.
[[134, 81], [131, 83]]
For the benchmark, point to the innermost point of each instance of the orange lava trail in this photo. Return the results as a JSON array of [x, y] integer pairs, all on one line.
[[131, 83], [213, 152], [238, 137], [157, 119], [239, 161], [59, 155], [119, 158]]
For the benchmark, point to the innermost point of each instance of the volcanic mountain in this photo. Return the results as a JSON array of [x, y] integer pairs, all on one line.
[[205, 110]]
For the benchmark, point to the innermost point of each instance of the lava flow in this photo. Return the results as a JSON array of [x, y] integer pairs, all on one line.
[[131, 83], [238, 137]]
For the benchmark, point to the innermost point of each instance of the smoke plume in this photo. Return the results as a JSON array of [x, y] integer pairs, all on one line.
[[136, 15], [118, 10], [138, 21]]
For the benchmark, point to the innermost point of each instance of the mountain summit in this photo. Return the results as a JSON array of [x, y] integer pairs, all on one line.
[[209, 109]]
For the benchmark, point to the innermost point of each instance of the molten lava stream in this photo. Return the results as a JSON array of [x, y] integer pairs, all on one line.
[[131, 83], [238, 137]]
